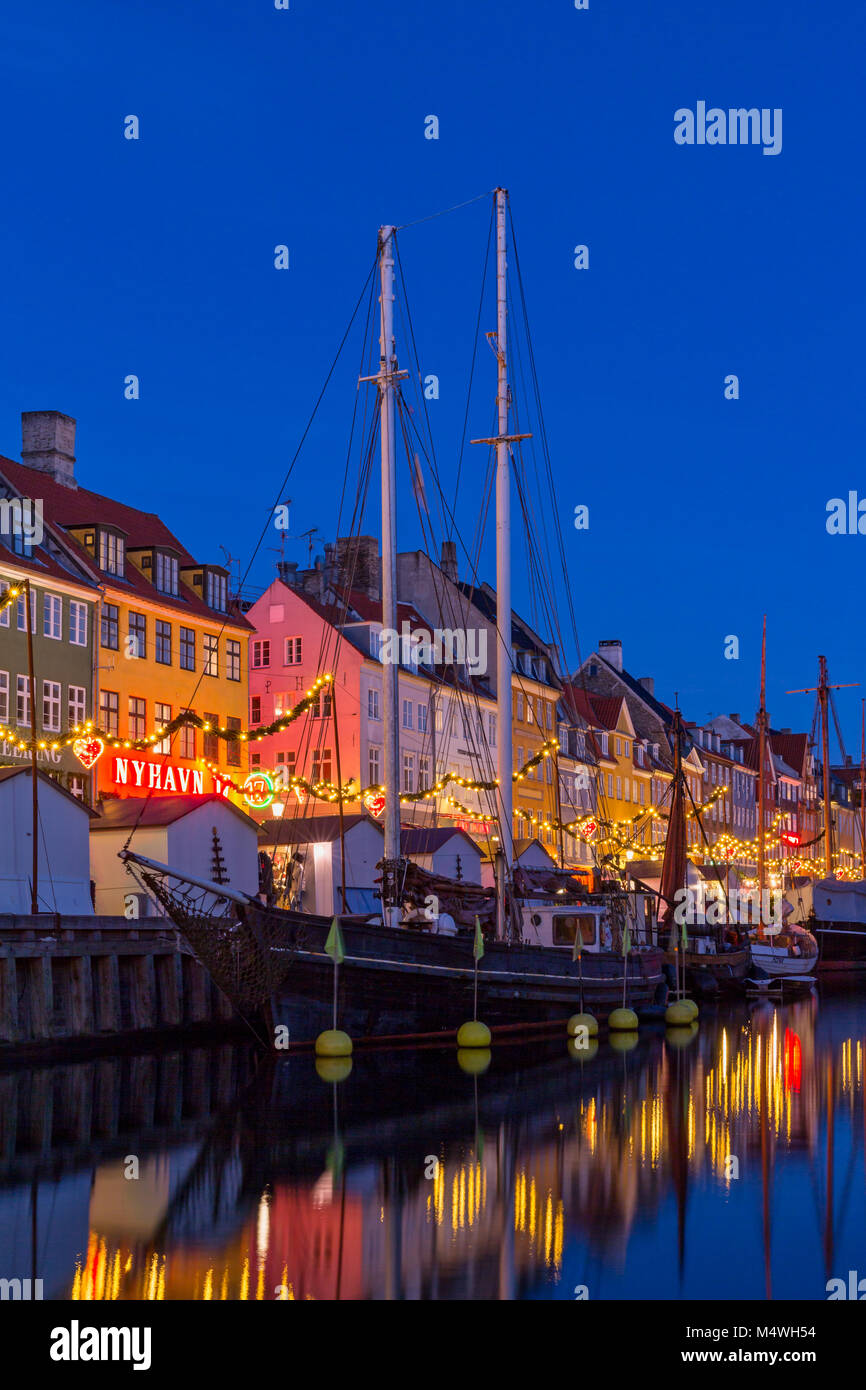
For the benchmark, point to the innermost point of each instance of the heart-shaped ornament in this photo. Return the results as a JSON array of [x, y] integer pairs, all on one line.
[[375, 803], [88, 750]]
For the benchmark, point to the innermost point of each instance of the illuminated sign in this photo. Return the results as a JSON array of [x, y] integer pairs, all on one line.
[[258, 790], [588, 829], [375, 803], [788, 837], [474, 827], [144, 775], [88, 749]]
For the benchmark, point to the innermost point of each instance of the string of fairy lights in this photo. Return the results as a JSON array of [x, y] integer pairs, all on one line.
[[610, 838]]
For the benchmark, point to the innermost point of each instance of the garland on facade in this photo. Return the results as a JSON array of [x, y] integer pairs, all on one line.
[[187, 718]]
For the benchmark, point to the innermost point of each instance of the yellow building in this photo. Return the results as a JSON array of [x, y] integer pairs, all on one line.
[[534, 726]]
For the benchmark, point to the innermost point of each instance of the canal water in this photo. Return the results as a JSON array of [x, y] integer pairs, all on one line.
[[727, 1163]]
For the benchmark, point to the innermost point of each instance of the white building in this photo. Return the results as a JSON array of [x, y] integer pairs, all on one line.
[[63, 858]]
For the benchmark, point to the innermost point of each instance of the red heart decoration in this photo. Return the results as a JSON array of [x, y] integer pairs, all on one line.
[[375, 803], [88, 750]]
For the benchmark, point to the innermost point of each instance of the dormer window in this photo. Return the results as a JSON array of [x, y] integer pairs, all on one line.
[[165, 572], [217, 591], [112, 552]]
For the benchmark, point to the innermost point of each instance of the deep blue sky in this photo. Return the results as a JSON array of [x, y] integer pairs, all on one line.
[[261, 127]]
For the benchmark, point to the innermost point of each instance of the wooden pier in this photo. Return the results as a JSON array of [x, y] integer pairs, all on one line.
[[96, 978]]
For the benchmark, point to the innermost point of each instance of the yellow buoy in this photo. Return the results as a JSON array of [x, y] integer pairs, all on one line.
[[333, 1068], [682, 1035], [474, 1060], [693, 1006], [587, 1052], [333, 1043], [623, 1042], [473, 1034], [583, 1021], [623, 1021], [679, 1014]]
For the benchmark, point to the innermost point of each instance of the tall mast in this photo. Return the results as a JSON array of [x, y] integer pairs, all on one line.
[[823, 701], [34, 873], [862, 789], [390, 671], [504, 753], [762, 747]]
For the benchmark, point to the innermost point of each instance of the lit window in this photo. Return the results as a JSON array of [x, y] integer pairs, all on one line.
[[166, 573], [109, 705], [211, 654], [137, 719], [111, 552], [233, 660]]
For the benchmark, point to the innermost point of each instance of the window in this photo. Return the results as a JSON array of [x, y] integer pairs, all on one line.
[[51, 706], [4, 612], [256, 709], [233, 660], [321, 765], [163, 642], [286, 761], [187, 649], [423, 773], [137, 712], [4, 697], [233, 749], [22, 612], [549, 765], [77, 705], [161, 717], [407, 714], [520, 705], [294, 648], [321, 706], [408, 772], [618, 747], [76, 787], [610, 784], [109, 705], [22, 701], [166, 573], [374, 766], [529, 709], [373, 704], [217, 592], [549, 715], [210, 742], [565, 930], [108, 627], [111, 552], [539, 712], [519, 757], [261, 653], [422, 719], [187, 738], [604, 742], [211, 654], [491, 730], [439, 719], [255, 759], [52, 616], [137, 644]]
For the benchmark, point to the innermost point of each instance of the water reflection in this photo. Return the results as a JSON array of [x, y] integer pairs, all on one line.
[[726, 1163]]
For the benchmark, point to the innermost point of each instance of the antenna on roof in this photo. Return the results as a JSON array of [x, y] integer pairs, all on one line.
[[230, 563]]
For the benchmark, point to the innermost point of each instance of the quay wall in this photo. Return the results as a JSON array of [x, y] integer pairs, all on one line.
[[65, 979]]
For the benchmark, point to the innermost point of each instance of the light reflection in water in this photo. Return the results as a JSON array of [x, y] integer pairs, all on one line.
[[546, 1166]]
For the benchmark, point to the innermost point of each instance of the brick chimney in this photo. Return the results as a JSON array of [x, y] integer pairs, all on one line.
[[648, 683], [611, 650], [48, 444], [448, 561]]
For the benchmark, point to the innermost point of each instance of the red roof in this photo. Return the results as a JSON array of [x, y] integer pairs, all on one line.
[[66, 506]]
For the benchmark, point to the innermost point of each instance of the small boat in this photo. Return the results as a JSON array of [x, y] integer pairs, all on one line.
[[838, 923]]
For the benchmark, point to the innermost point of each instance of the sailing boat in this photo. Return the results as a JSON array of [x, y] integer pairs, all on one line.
[[712, 957], [395, 979], [781, 950]]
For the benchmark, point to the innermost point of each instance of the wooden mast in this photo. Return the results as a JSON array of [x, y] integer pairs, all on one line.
[[862, 788], [762, 746], [34, 874], [823, 701]]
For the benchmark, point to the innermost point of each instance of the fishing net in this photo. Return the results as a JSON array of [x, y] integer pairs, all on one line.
[[246, 952]]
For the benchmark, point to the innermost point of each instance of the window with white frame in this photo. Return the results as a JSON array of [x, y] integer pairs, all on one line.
[[161, 717], [77, 705], [408, 772], [22, 702], [111, 552], [217, 591], [52, 616], [261, 653], [51, 706], [22, 612], [423, 773], [520, 705], [210, 643], [294, 648], [491, 730], [373, 704], [407, 714], [4, 697], [166, 573], [422, 719], [374, 765]]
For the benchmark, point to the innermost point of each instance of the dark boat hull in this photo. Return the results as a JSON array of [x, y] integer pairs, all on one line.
[[711, 972], [407, 982], [842, 947]]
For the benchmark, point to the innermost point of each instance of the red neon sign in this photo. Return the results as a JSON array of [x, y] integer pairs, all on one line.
[[144, 775]]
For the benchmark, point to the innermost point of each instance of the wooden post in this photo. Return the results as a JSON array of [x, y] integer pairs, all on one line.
[[107, 994], [167, 969], [10, 1029]]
